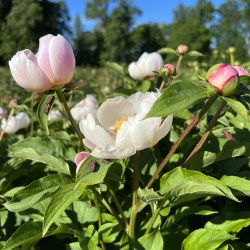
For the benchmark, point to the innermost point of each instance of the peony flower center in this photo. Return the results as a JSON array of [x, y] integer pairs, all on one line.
[[118, 124]]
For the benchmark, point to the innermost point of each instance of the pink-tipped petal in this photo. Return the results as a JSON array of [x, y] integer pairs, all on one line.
[[80, 158], [43, 56], [62, 60], [26, 72]]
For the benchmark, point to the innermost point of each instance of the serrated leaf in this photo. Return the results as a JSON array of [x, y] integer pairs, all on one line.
[[49, 151], [167, 50], [61, 200], [177, 97], [237, 184], [152, 241], [206, 239], [229, 226], [92, 171], [195, 53], [31, 194], [43, 109], [238, 107], [181, 185]]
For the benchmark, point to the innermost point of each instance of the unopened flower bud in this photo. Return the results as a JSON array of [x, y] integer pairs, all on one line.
[[231, 50], [182, 49], [80, 158], [224, 79], [167, 70], [13, 102], [241, 71]]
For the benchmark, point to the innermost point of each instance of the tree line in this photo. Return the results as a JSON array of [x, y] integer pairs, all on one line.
[[115, 37]]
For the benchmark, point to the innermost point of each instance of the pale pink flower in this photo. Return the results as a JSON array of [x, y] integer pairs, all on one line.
[[53, 65]]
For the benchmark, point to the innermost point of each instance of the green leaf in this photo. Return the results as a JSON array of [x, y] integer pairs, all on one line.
[[229, 226], [85, 212], [28, 196], [89, 240], [48, 150], [115, 66], [27, 233], [181, 185], [237, 184], [92, 171], [148, 195], [177, 97], [238, 107], [167, 50], [231, 149], [110, 231], [245, 80], [61, 200], [152, 241], [194, 53], [206, 239], [43, 109]]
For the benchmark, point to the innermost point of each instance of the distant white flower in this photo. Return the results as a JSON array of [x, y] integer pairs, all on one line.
[[119, 129], [54, 115], [82, 108], [144, 67], [15, 123], [3, 113]]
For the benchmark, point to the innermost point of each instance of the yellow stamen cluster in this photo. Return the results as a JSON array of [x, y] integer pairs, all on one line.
[[118, 124]]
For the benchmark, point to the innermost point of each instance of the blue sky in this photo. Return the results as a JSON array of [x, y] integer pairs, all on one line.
[[152, 10]]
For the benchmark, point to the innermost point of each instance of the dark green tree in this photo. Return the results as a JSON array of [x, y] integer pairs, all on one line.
[[149, 38], [117, 42], [191, 26], [19, 29], [232, 28]]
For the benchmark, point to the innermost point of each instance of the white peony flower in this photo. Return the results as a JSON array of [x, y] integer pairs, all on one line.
[[144, 67], [15, 123], [82, 108], [54, 115], [119, 129]]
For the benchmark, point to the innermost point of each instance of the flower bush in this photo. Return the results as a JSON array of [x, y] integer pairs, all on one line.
[[162, 163]]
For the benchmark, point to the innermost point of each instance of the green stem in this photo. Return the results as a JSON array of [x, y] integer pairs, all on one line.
[[178, 64], [206, 134], [136, 177], [108, 207], [196, 119], [99, 221], [67, 111], [31, 114], [117, 203], [154, 216]]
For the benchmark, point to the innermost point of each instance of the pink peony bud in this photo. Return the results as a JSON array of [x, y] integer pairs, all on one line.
[[168, 69], [80, 158], [241, 71], [12, 102], [53, 65], [182, 49], [224, 79]]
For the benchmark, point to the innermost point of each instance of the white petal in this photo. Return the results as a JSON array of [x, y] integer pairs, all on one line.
[[123, 139], [165, 127], [95, 133], [146, 133], [113, 110], [112, 152], [135, 71]]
